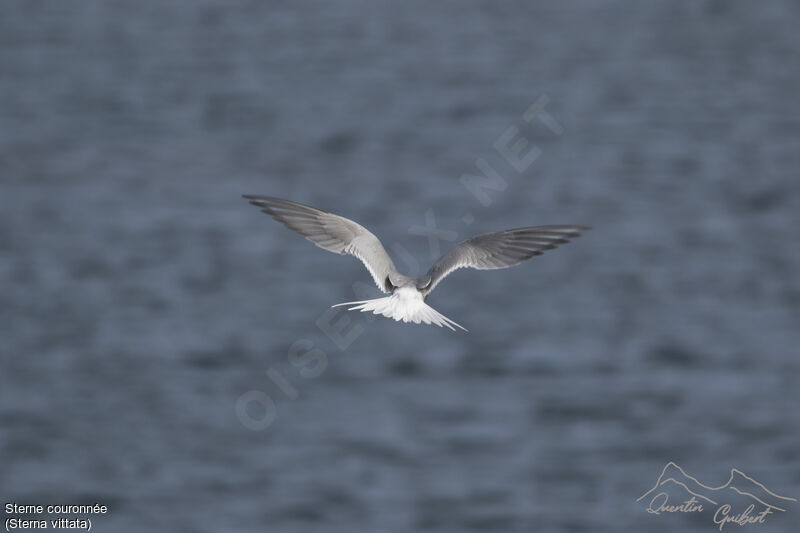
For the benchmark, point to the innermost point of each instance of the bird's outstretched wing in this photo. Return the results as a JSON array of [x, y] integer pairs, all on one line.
[[332, 232], [501, 250]]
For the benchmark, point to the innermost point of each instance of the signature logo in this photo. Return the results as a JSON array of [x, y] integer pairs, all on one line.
[[741, 500]]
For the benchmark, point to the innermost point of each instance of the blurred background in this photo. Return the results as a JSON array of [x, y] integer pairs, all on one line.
[[143, 299]]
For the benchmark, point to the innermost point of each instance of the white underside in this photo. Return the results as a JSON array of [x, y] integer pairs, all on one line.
[[406, 305]]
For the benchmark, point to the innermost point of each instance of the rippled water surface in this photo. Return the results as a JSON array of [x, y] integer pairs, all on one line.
[[142, 297]]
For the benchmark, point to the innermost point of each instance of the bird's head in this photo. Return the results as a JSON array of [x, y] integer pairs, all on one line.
[[422, 283]]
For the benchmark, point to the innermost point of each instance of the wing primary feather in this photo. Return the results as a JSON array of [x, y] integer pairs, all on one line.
[[332, 232], [501, 249]]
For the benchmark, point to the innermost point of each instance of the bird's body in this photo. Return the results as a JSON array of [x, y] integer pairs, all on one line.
[[406, 302]]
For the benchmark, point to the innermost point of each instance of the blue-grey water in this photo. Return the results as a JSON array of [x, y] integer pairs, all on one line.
[[143, 300]]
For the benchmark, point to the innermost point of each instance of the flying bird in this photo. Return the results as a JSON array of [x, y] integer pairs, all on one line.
[[407, 295]]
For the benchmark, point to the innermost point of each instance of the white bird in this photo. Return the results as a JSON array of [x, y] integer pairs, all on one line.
[[407, 301]]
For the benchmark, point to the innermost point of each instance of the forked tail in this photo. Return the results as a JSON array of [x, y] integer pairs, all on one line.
[[406, 306]]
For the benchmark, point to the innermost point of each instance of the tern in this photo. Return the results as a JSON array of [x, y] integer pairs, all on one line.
[[406, 302]]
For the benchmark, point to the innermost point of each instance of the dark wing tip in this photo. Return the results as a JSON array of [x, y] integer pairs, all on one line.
[[272, 202], [257, 198], [559, 234], [266, 203], [577, 231]]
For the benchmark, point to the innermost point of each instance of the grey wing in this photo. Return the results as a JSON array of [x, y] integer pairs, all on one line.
[[333, 233], [501, 249]]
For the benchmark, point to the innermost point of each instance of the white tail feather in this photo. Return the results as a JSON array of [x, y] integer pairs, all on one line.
[[406, 305]]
